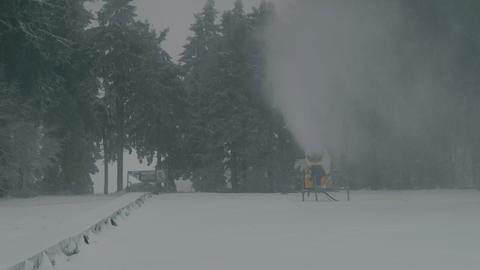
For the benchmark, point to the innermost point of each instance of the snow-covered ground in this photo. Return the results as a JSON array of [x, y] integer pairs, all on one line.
[[27, 226], [376, 230]]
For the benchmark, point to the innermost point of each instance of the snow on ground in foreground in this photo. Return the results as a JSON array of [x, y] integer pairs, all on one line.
[[28, 226], [376, 230]]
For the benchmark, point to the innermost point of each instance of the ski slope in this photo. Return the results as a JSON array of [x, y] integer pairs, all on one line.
[[27, 226], [376, 230]]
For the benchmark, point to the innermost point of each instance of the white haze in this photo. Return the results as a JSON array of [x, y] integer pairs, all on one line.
[[334, 64]]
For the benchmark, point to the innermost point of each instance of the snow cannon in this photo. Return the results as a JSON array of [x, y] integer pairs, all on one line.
[[316, 179]]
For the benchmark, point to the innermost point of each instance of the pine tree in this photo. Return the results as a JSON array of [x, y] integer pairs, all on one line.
[[199, 62], [73, 116], [138, 80], [232, 130], [36, 44], [117, 66], [26, 149], [156, 108]]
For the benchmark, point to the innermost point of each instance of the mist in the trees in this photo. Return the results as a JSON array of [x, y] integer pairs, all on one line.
[[388, 90], [371, 83]]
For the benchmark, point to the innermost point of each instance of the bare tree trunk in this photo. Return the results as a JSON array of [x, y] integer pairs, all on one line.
[[476, 171], [169, 180], [23, 184], [120, 169], [121, 135], [105, 164], [105, 180], [245, 182], [234, 172]]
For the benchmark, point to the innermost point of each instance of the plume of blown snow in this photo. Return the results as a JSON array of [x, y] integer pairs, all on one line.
[[339, 69]]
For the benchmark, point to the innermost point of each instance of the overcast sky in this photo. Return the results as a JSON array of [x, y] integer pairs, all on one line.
[[178, 15]]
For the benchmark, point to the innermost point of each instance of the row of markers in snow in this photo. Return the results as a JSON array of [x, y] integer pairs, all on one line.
[[56, 255]]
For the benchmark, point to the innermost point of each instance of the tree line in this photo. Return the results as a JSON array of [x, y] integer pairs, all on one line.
[[78, 86]]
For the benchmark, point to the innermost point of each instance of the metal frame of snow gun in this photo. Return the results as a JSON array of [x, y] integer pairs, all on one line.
[[316, 190], [325, 187], [326, 191]]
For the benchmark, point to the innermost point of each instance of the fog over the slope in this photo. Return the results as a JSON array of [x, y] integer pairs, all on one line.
[[338, 70]]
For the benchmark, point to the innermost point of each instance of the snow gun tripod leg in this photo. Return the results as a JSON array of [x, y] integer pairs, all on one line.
[[329, 196]]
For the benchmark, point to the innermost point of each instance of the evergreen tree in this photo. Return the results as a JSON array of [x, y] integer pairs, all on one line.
[[37, 43], [118, 57], [139, 84], [156, 108], [233, 131], [199, 62], [73, 116]]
